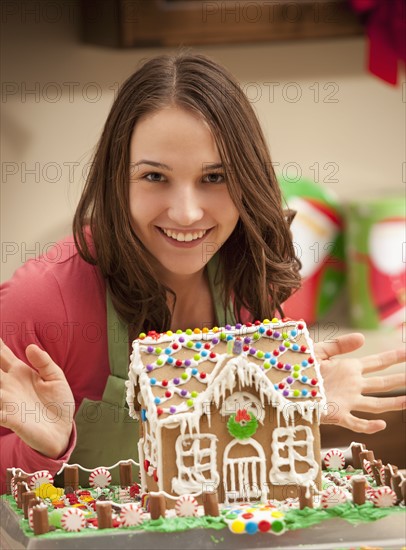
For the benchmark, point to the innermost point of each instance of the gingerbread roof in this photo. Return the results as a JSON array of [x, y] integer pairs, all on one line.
[[179, 374]]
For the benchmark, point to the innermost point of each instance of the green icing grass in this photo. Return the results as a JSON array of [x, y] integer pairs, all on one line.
[[353, 513], [294, 519]]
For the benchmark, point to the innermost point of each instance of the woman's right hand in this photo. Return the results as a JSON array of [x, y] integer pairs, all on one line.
[[36, 403]]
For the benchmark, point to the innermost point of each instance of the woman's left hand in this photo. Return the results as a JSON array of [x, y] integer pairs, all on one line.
[[347, 388]]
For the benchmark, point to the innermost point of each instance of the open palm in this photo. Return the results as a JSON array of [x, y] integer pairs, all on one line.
[[36, 402], [347, 388]]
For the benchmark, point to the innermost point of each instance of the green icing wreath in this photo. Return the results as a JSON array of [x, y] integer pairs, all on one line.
[[242, 424]]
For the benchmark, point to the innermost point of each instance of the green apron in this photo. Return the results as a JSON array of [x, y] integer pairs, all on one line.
[[105, 431]]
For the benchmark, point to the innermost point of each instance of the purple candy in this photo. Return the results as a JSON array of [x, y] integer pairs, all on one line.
[[253, 351], [289, 379], [150, 349], [238, 326], [176, 380], [215, 341], [188, 362], [150, 368], [247, 340], [172, 410], [228, 327], [183, 393], [285, 393], [181, 339], [276, 334], [287, 366]]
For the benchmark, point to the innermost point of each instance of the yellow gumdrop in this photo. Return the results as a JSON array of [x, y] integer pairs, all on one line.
[[45, 490], [237, 526], [277, 514]]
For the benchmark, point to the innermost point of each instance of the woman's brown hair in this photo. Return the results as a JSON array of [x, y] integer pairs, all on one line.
[[258, 268]]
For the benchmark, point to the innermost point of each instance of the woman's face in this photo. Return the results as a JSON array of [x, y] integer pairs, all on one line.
[[180, 206]]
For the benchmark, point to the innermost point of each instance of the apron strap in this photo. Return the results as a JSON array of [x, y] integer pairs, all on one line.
[[118, 346], [214, 274]]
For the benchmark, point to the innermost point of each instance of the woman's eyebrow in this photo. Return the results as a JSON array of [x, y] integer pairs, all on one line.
[[153, 163], [211, 166]]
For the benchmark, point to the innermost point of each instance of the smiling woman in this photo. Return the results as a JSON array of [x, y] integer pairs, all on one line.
[[180, 225], [182, 172]]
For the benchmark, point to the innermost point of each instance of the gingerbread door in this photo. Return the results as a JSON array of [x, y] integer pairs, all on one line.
[[244, 475]]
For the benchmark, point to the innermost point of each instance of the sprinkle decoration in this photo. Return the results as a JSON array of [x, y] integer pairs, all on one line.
[[100, 477], [186, 506], [384, 497], [255, 518], [332, 496], [334, 459], [131, 514], [40, 477], [73, 520]]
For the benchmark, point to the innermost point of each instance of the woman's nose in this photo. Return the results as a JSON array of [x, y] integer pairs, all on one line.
[[186, 207]]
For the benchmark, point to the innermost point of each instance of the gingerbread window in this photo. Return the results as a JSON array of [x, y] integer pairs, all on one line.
[[292, 455], [196, 463]]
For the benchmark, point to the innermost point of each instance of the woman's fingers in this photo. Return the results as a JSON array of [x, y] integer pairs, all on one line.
[[380, 361], [381, 404], [361, 425], [42, 362], [7, 357], [390, 382], [342, 344]]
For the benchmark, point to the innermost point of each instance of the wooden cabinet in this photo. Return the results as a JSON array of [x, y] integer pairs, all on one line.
[[148, 23]]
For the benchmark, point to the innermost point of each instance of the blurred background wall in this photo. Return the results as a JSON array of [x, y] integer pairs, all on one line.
[[324, 116]]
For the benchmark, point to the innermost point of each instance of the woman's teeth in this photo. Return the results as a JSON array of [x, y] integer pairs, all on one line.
[[184, 237]]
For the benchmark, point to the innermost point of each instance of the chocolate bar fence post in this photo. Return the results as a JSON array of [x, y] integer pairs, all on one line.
[[40, 519], [358, 489], [126, 474], [157, 506], [210, 503], [104, 515], [355, 451], [305, 497], [71, 477], [26, 496]]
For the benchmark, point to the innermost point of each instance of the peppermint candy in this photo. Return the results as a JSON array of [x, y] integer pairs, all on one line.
[[73, 520], [100, 477], [40, 477], [131, 514], [384, 497], [332, 496], [186, 505], [367, 467], [334, 458]]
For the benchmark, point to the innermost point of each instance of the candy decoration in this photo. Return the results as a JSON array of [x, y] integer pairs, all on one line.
[[242, 424], [333, 496], [384, 497], [100, 477], [366, 465], [131, 514], [40, 477], [73, 520], [186, 506], [334, 459]]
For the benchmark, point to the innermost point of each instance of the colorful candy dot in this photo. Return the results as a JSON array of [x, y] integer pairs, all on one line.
[[189, 402], [237, 526], [184, 376], [251, 527], [189, 331]]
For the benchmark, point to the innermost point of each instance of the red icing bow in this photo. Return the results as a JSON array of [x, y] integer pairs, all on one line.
[[241, 415]]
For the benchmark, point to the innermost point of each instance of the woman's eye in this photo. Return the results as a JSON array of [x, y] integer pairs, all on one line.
[[153, 176], [215, 178]]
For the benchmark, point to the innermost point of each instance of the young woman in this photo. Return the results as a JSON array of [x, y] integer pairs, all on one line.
[[181, 224]]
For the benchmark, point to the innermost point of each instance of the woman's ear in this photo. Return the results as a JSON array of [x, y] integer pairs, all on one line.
[[289, 215]]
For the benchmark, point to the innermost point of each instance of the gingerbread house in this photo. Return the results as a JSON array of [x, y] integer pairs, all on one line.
[[235, 409]]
